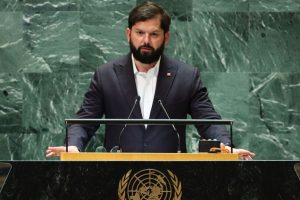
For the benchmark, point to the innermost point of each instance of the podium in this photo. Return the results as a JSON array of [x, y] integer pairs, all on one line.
[[65, 156], [136, 176], [169, 180]]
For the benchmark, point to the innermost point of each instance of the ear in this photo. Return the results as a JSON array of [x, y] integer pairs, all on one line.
[[128, 33], [167, 37]]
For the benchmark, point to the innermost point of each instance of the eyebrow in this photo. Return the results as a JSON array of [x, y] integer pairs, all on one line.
[[157, 30]]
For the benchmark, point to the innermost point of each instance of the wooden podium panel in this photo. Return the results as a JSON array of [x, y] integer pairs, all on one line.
[[146, 156]]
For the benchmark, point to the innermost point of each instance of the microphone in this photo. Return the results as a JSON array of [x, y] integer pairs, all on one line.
[[101, 149], [118, 148], [174, 128]]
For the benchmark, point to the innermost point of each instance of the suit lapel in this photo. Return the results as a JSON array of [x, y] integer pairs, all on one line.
[[166, 76], [124, 72]]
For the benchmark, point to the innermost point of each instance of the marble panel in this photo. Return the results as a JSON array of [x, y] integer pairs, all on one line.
[[221, 5], [271, 146], [48, 100], [51, 5], [229, 92], [274, 5], [11, 98], [15, 58], [274, 114], [19, 146], [274, 41], [11, 54], [181, 10], [54, 38], [107, 5], [214, 42], [10, 5], [102, 38], [9, 147], [10, 41], [39, 5]]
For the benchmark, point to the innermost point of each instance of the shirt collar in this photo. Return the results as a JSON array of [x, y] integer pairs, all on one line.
[[153, 70]]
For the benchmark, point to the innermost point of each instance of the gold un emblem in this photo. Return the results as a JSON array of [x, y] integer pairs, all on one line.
[[149, 184]]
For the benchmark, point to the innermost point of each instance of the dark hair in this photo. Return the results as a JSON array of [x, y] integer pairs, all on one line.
[[149, 10]]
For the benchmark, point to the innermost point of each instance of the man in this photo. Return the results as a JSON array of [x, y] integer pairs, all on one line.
[[151, 76]]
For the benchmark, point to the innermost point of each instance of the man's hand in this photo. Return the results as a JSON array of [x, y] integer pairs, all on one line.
[[243, 153], [55, 151]]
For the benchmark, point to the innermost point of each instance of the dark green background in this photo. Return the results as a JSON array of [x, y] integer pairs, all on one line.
[[247, 50]]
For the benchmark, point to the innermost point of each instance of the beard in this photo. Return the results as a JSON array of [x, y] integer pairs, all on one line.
[[148, 57]]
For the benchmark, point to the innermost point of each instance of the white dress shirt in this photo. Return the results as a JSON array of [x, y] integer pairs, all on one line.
[[146, 85]]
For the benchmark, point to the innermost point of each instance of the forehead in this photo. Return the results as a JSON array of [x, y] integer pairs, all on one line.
[[153, 24]]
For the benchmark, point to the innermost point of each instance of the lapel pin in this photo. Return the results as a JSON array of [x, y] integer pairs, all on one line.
[[169, 74]]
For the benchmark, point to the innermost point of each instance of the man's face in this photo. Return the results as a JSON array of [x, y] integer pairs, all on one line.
[[147, 40]]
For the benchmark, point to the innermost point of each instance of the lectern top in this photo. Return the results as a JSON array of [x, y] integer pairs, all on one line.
[[147, 156]]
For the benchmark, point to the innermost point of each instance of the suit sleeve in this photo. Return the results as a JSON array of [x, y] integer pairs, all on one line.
[[91, 108], [201, 108]]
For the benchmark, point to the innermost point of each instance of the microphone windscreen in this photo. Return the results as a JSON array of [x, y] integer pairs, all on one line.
[[115, 149], [100, 149]]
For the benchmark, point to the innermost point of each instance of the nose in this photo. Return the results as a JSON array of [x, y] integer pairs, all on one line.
[[146, 38]]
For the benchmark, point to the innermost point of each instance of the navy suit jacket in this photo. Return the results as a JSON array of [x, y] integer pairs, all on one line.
[[112, 93]]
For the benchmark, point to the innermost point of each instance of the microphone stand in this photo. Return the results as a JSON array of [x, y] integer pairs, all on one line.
[[137, 100], [174, 128]]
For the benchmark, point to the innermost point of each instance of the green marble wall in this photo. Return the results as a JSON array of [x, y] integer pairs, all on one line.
[[247, 50]]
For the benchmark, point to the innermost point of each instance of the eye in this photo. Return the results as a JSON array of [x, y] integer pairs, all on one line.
[[154, 34], [140, 32]]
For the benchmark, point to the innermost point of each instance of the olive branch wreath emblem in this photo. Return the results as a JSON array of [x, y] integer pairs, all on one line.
[[122, 185], [125, 179], [176, 185]]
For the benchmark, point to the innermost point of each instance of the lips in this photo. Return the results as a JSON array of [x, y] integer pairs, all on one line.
[[146, 48]]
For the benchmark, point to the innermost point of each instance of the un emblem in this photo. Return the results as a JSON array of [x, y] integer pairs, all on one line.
[[149, 184]]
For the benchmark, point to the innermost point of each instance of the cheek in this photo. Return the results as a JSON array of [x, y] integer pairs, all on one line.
[[133, 42], [158, 43], [136, 41]]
